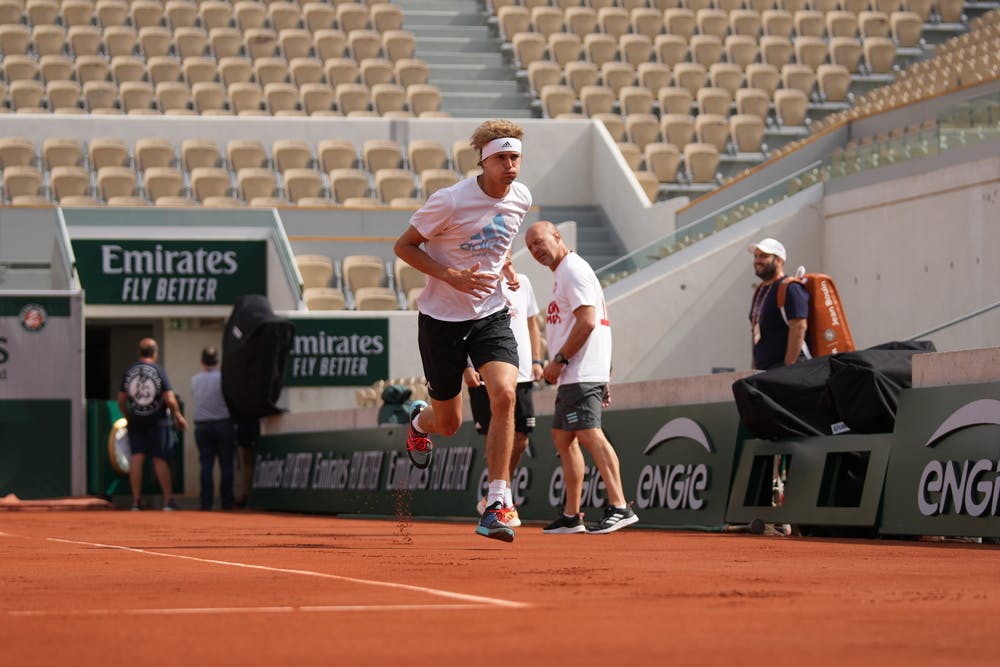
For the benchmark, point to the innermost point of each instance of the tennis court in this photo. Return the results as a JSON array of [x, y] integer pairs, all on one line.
[[88, 588]]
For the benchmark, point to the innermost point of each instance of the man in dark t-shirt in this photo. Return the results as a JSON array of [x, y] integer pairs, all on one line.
[[144, 397], [775, 341]]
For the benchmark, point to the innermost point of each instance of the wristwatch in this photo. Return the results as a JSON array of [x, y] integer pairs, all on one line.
[[560, 359]]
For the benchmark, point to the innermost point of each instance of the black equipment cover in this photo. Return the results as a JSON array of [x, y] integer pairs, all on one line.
[[255, 348]]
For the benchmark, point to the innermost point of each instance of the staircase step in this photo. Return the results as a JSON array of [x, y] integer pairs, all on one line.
[[466, 71], [413, 19], [458, 45], [498, 87], [485, 101], [448, 57]]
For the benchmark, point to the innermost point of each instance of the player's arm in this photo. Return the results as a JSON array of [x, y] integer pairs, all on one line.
[[175, 409], [535, 336], [469, 280], [796, 337], [509, 274], [584, 322]]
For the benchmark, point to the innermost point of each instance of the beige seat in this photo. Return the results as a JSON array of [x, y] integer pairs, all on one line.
[[741, 49], [545, 73], [834, 82], [316, 270], [107, 152], [210, 182], [155, 41], [319, 16], [226, 42], [318, 99], [235, 69], [270, 69], [151, 153], [712, 129], [111, 12], [635, 49], [558, 100], [388, 97], [381, 154], [616, 74], [163, 69], [21, 181], [196, 153], [146, 13], [249, 14], [642, 129], [100, 96], [663, 160], [600, 48], [303, 183], [116, 182], [160, 182], [810, 51], [393, 183], [745, 22], [712, 21], [14, 38], [336, 154], [41, 12], [282, 99], [753, 101], [56, 67], [375, 298], [398, 44], [363, 271], [128, 68], [631, 154], [293, 42], [579, 20], [778, 51], [464, 157], [215, 14], [48, 39], [635, 99], [255, 182], [680, 21], [410, 71], [385, 16], [528, 47], [363, 44], [596, 99], [670, 49], [190, 41], [728, 76], [92, 68], [260, 42], [198, 69], [346, 183], [64, 96], [562, 47], [873, 24], [244, 153], [705, 49], [691, 76], [675, 100], [614, 122], [513, 19], [377, 70], [61, 152], [701, 162], [778, 22], [799, 77], [27, 95], [291, 154], [747, 132], [341, 70], [426, 154], [763, 77], [330, 43], [613, 21], [174, 98], [790, 106], [17, 151], [324, 298], [713, 100], [209, 98], [677, 129], [649, 183], [352, 97], [424, 99], [246, 99], [432, 180], [180, 13], [69, 181], [841, 24], [880, 54], [407, 277], [653, 75], [845, 51], [305, 70], [907, 28]]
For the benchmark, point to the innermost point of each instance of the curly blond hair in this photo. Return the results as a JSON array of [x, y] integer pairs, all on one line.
[[495, 129]]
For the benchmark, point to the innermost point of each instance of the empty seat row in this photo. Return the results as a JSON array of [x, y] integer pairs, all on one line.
[[364, 281]]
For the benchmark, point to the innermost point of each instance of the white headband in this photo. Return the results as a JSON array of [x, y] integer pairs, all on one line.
[[501, 145]]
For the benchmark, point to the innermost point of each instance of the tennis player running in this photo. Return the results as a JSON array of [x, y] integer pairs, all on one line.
[[466, 232]]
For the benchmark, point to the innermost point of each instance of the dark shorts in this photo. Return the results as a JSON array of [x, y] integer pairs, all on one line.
[[446, 347], [247, 432], [524, 408], [578, 406], [154, 441]]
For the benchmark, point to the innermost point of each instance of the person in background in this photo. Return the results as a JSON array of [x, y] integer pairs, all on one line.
[[579, 334], [461, 238], [147, 400], [213, 431], [776, 341], [523, 309], [247, 434]]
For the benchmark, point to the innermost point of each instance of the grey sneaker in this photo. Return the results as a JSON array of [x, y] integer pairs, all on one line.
[[171, 506], [614, 519], [564, 525], [418, 445]]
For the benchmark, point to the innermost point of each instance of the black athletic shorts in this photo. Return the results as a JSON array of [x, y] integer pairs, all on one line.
[[446, 347], [578, 406], [524, 408], [153, 441]]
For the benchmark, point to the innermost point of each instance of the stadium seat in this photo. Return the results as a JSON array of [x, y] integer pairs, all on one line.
[[907, 28], [596, 99], [61, 152], [160, 182], [464, 157], [747, 132], [845, 51], [336, 154], [387, 97], [432, 180], [246, 99], [712, 129], [599, 48], [663, 160], [27, 95], [393, 184], [799, 77], [101, 96], [649, 183], [352, 98], [255, 183], [385, 16], [198, 153], [879, 53], [207, 182], [375, 298], [426, 154], [324, 298], [174, 98], [347, 183], [282, 99], [691, 76], [670, 49], [674, 100], [712, 21], [21, 180], [407, 277], [677, 129], [319, 16], [873, 24], [701, 162], [558, 100], [303, 183], [180, 13], [116, 182], [69, 181], [136, 96], [713, 100], [631, 153], [580, 21], [151, 153], [763, 76], [728, 76], [810, 51], [363, 44], [777, 22], [790, 106], [528, 47], [363, 271], [754, 102], [91, 68], [642, 129], [680, 21], [653, 75], [64, 96], [834, 82], [841, 24], [209, 98]]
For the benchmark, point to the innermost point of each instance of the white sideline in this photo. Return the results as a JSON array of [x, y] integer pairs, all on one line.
[[177, 611], [473, 599]]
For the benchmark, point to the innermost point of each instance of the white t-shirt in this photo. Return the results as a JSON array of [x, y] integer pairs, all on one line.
[[576, 285], [522, 306], [464, 226]]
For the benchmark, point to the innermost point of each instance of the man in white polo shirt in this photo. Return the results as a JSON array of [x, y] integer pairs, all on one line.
[[579, 341], [461, 238]]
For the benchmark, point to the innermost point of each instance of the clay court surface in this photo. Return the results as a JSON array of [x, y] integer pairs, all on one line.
[[86, 588]]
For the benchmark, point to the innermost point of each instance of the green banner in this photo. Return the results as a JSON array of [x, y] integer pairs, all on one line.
[[676, 467], [167, 272], [944, 472], [23, 307], [338, 352], [35, 448]]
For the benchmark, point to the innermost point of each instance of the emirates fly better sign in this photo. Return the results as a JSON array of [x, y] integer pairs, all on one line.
[[162, 272]]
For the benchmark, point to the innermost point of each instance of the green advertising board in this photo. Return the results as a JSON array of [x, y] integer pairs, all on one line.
[[338, 352], [676, 465], [168, 272], [944, 471]]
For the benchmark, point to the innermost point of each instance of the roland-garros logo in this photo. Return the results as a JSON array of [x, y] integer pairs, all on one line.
[[678, 486], [961, 487]]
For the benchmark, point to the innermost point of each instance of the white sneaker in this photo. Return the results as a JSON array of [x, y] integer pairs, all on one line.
[[513, 520]]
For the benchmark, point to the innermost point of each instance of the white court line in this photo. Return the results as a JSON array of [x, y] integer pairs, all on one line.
[[243, 610], [475, 599]]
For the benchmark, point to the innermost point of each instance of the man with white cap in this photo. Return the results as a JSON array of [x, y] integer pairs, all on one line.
[[461, 238], [777, 336]]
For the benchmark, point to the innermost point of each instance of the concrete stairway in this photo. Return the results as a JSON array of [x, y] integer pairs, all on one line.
[[596, 240], [465, 60]]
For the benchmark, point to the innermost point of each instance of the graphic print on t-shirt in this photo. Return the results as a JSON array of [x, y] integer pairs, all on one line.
[[143, 386], [495, 233]]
